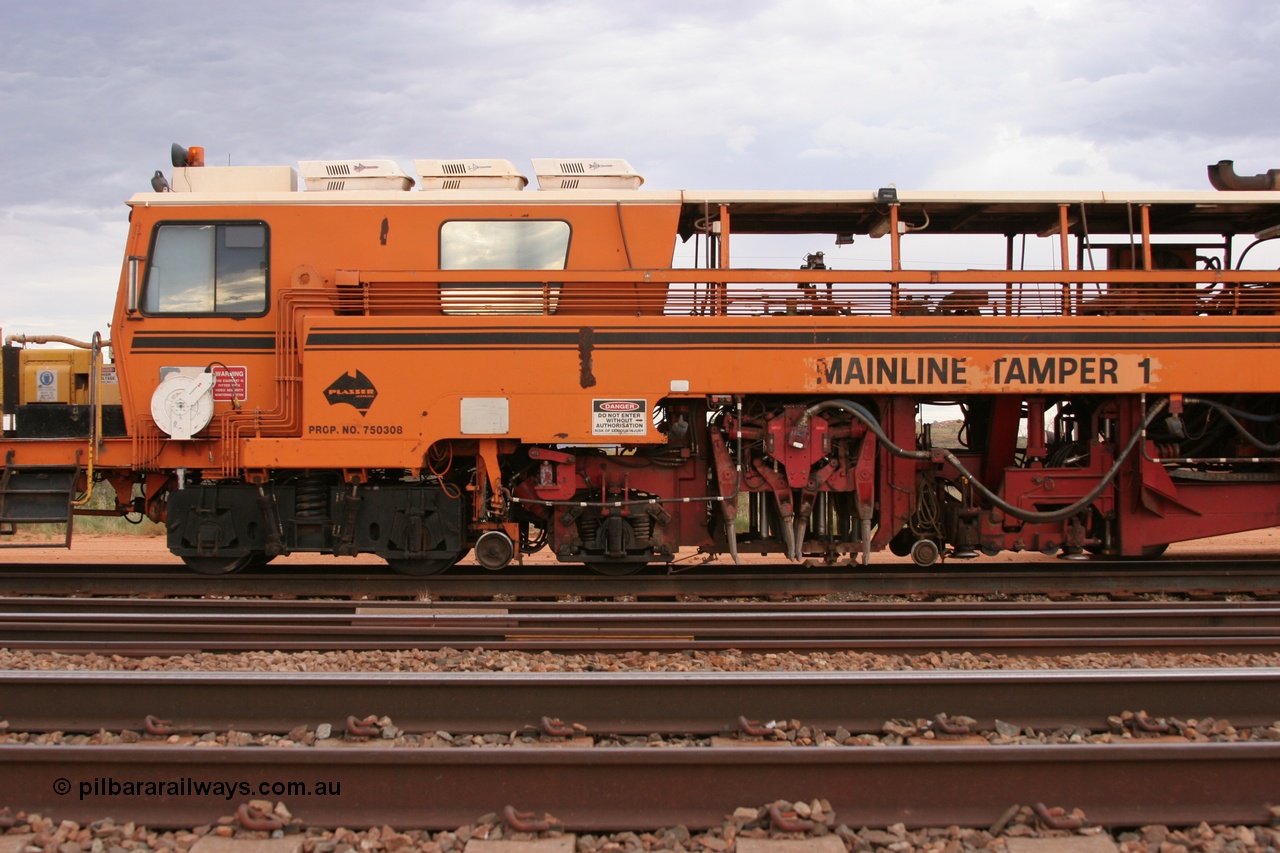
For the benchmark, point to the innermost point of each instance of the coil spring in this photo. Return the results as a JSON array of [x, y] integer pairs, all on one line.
[[312, 496], [1166, 450], [641, 526], [588, 527]]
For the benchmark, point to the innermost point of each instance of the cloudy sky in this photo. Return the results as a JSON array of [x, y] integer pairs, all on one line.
[[716, 94]]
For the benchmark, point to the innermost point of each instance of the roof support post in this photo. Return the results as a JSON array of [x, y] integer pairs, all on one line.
[[722, 288], [1146, 236], [1064, 226], [895, 254]]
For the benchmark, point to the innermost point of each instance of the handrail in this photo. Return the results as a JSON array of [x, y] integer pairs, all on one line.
[[377, 278]]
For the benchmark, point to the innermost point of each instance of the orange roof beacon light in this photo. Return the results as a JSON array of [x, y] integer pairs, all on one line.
[[193, 156]]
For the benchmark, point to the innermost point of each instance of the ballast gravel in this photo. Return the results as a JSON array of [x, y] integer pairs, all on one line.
[[41, 834], [485, 660], [106, 836]]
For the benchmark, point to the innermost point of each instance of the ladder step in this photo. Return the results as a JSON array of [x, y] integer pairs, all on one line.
[[36, 494]]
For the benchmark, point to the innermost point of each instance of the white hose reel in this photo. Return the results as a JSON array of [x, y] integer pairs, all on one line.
[[183, 405]]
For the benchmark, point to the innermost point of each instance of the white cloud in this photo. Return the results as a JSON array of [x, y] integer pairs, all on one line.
[[718, 94], [1011, 159], [741, 139], [60, 265]]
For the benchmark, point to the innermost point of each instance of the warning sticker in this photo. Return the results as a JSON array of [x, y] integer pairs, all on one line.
[[109, 375], [229, 383], [619, 417]]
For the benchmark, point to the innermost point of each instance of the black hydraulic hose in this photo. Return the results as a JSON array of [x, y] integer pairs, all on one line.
[[869, 420], [1229, 414], [863, 414], [1250, 248], [1240, 413], [1231, 417]]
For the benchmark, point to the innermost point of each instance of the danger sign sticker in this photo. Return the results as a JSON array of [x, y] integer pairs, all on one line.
[[619, 417]]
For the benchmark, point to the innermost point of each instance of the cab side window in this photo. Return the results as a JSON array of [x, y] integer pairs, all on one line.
[[207, 268], [504, 244], [507, 244]]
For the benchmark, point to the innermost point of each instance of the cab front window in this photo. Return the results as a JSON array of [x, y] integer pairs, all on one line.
[[207, 268]]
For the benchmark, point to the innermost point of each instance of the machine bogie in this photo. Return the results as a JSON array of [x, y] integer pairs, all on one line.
[[407, 524]]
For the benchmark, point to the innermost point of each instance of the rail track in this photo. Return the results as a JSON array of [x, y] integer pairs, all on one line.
[[615, 751], [132, 627], [590, 788], [1259, 577], [702, 703]]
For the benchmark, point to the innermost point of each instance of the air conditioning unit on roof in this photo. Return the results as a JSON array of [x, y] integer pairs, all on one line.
[[474, 174], [340, 175], [585, 174]]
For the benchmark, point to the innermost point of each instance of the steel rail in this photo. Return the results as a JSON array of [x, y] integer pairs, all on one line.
[[1263, 620], [629, 788], [206, 625], [703, 703], [1168, 576], [639, 608]]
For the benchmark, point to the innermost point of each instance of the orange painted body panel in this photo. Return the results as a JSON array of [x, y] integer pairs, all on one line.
[[315, 252], [537, 364]]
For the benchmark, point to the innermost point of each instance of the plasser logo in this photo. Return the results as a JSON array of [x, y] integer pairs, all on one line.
[[356, 391]]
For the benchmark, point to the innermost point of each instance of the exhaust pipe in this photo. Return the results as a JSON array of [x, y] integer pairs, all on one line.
[[1222, 175]]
